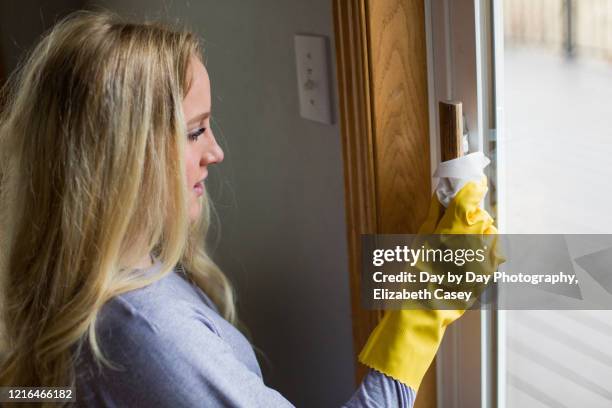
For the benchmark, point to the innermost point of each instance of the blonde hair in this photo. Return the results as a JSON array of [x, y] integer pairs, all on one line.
[[92, 179]]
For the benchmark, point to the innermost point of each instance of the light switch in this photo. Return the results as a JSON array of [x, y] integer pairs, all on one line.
[[311, 58]]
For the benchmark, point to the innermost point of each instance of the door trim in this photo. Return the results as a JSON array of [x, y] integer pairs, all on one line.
[[353, 72], [384, 116]]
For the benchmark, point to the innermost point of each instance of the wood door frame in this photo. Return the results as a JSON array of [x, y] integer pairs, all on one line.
[[357, 147], [370, 36]]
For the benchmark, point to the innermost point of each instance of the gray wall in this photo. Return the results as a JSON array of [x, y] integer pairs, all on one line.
[[279, 192], [23, 21]]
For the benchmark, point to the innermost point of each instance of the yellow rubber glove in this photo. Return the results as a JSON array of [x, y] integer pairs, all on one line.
[[405, 342]]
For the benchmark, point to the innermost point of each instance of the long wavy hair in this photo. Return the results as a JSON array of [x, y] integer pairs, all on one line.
[[92, 178]]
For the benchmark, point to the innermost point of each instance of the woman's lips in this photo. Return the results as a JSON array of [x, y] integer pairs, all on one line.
[[199, 188]]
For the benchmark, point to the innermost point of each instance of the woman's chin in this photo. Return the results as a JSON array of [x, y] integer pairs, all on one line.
[[195, 210]]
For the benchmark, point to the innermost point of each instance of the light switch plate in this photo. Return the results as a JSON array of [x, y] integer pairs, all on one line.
[[311, 57]]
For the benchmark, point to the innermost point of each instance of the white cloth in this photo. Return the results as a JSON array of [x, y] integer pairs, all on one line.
[[454, 174]]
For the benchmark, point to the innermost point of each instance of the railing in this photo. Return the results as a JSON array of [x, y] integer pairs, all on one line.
[[573, 27]]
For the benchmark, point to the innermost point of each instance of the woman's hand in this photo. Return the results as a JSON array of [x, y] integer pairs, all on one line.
[[405, 342]]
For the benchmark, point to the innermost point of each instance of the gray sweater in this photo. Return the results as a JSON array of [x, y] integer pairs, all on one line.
[[175, 350]]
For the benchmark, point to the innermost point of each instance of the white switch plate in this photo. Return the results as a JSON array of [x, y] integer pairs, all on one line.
[[311, 59]]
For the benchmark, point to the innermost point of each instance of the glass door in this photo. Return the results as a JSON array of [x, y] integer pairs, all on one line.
[[553, 73], [535, 80]]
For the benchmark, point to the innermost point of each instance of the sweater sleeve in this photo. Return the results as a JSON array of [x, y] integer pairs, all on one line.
[[186, 363], [380, 390]]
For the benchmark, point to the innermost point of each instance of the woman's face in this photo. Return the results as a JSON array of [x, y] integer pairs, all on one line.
[[201, 147]]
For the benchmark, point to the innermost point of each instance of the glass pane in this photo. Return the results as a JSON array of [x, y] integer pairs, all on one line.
[[557, 150]]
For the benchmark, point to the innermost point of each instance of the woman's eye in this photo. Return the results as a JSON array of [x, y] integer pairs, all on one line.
[[196, 133]]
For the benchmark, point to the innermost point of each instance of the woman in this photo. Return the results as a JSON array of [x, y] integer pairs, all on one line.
[[106, 144]]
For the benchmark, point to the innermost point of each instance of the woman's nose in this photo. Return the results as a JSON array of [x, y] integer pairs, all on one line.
[[214, 153]]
